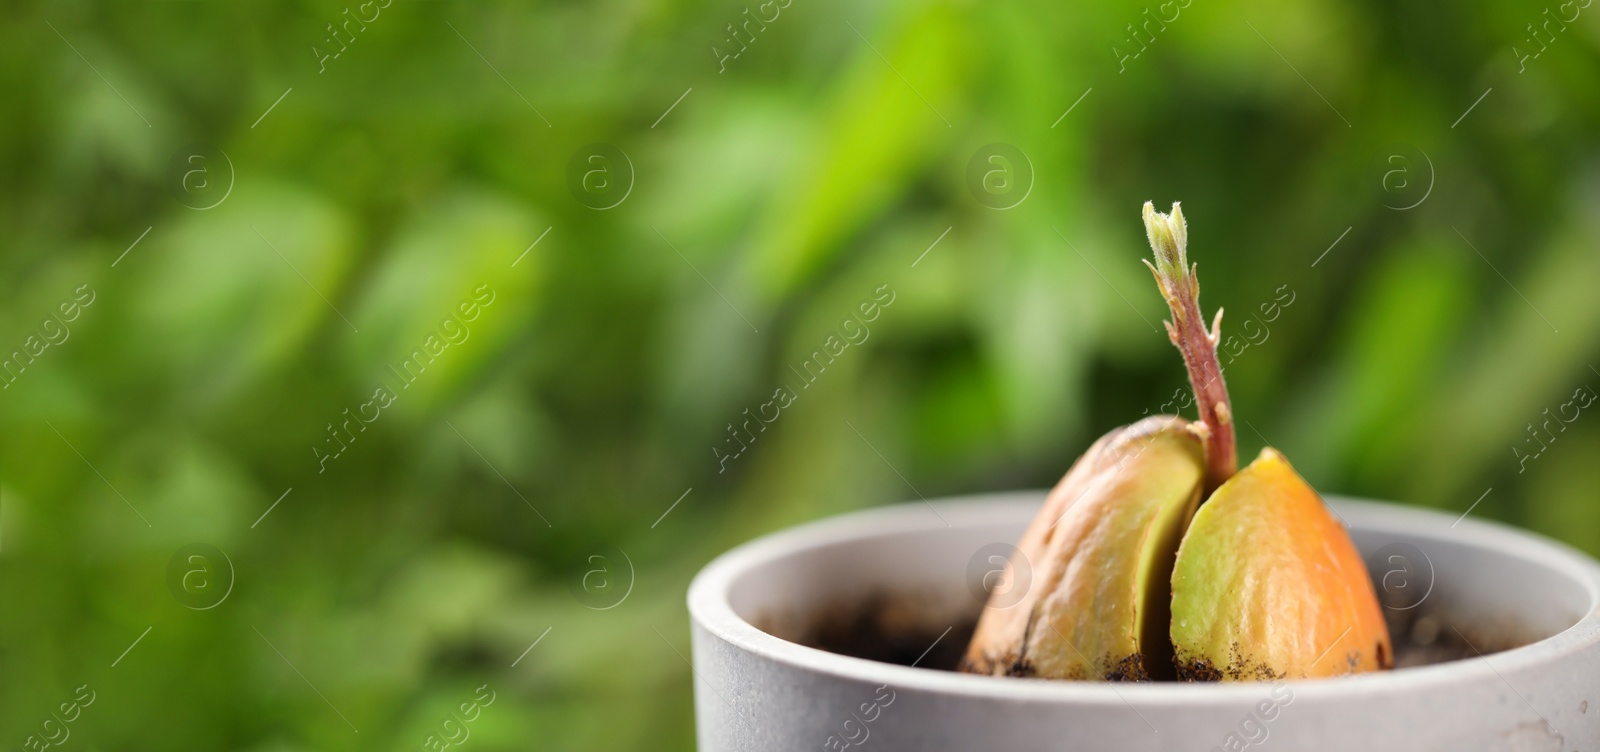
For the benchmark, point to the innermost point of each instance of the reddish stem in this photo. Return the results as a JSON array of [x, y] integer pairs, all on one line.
[[1180, 286]]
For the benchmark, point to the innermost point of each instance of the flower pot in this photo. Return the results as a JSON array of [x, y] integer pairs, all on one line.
[[1504, 623]]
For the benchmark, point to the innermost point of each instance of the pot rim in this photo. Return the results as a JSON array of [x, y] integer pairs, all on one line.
[[710, 609]]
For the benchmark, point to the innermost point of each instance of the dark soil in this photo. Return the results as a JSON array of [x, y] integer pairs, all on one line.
[[882, 629]]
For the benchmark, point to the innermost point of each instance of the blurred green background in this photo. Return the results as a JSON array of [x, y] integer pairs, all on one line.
[[1441, 264]]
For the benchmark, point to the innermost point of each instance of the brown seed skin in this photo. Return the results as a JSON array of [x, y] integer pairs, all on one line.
[[1101, 552]]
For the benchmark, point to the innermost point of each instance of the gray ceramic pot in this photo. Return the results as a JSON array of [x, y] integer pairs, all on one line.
[[756, 691]]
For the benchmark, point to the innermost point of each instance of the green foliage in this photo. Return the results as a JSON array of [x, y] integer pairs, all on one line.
[[225, 356]]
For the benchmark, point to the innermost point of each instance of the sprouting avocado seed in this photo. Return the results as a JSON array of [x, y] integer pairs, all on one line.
[[1101, 551], [1268, 585], [1130, 582]]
